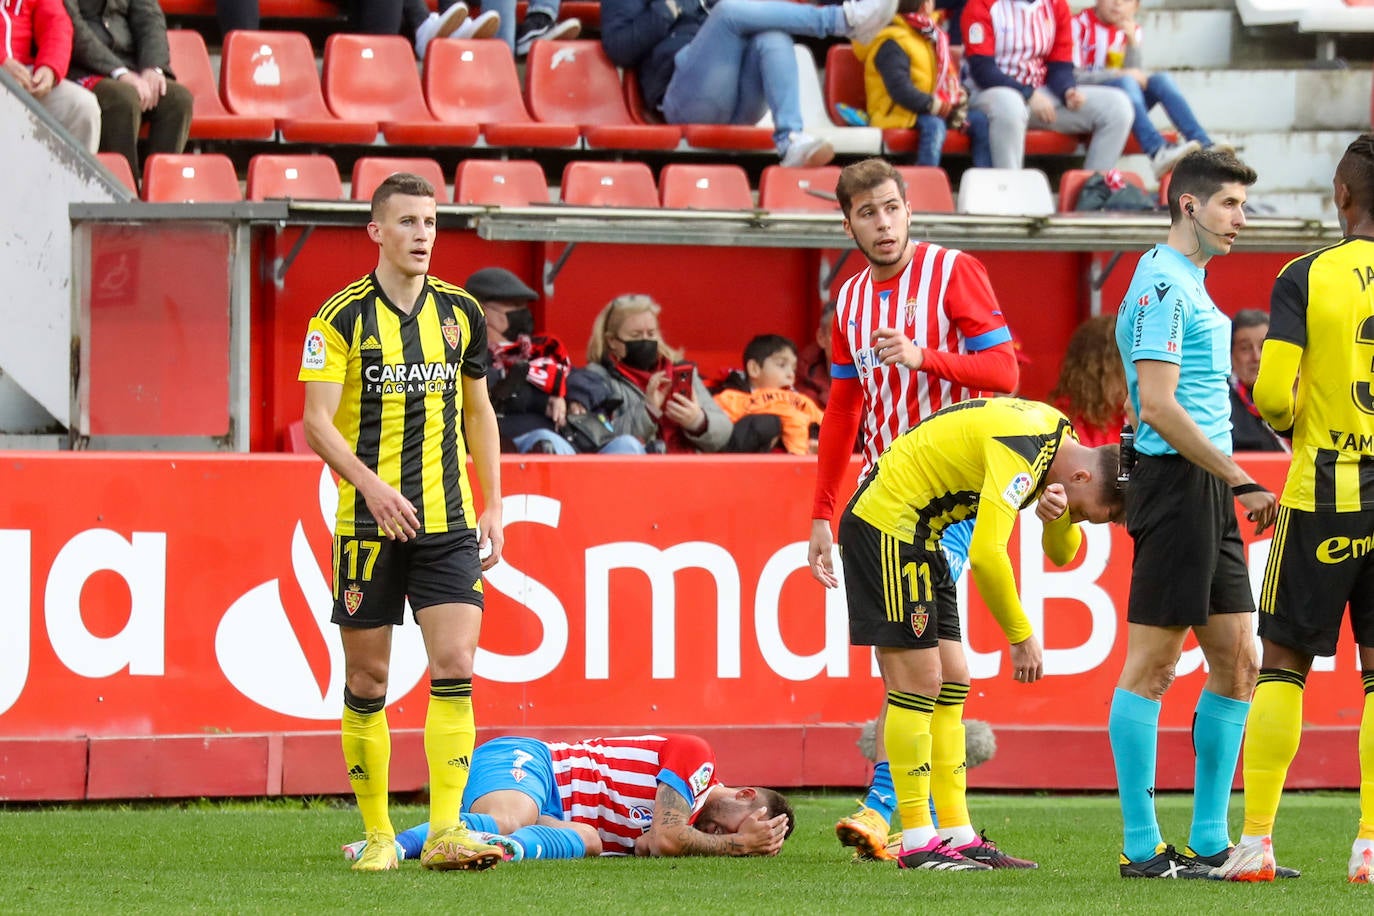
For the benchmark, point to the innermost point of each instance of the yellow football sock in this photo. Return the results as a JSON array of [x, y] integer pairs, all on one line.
[[367, 756], [948, 772], [1367, 760], [907, 736], [450, 733], [1272, 731]]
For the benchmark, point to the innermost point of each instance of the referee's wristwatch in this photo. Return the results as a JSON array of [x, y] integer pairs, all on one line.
[[117, 72]]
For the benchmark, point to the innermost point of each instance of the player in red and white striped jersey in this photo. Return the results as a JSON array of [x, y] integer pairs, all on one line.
[[645, 795], [917, 330], [1019, 60]]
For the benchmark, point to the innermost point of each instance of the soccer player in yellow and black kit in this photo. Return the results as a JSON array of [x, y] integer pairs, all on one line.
[[980, 458], [1321, 336], [395, 369]]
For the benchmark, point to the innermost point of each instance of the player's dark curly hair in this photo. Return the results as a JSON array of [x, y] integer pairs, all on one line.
[[864, 176], [777, 803], [1202, 174], [1091, 379], [399, 183], [1356, 171]]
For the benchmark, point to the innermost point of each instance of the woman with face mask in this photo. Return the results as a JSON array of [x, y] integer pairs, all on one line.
[[627, 349]]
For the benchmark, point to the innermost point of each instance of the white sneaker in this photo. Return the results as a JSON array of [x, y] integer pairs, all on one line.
[[1168, 156], [866, 18], [439, 25], [1247, 862], [1361, 869], [806, 151], [483, 25], [541, 27]]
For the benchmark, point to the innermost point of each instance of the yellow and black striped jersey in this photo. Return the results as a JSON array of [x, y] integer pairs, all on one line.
[[401, 410], [1323, 305], [969, 456]]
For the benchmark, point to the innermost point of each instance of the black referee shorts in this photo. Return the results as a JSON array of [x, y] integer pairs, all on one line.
[[1318, 562], [1189, 558], [900, 595]]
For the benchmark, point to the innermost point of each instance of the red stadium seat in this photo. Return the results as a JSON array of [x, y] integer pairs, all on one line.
[[1071, 183], [190, 178], [299, 177], [370, 171], [475, 82], [927, 188], [119, 167], [273, 74], [210, 120], [574, 82], [373, 78], [799, 189], [705, 187], [609, 184], [500, 183]]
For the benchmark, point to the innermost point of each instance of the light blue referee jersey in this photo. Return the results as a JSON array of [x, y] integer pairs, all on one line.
[[1168, 316]]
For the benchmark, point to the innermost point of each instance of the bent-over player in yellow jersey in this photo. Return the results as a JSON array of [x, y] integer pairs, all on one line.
[[395, 370], [984, 458], [1316, 379]]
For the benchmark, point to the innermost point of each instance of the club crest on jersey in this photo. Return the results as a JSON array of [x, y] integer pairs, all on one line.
[[699, 780], [517, 774], [641, 816], [1020, 487], [353, 598], [911, 310], [919, 618], [453, 334]]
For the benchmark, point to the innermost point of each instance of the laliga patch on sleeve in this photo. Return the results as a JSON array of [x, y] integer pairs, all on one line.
[[701, 779], [975, 33], [314, 355], [1017, 491]]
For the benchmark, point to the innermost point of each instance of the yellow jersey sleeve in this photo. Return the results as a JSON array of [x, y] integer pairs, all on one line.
[[992, 572], [1061, 539], [325, 357], [1274, 392]]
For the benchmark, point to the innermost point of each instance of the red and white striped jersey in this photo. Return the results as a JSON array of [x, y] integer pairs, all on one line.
[[610, 783], [1096, 45], [1022, 36], [942, 301]]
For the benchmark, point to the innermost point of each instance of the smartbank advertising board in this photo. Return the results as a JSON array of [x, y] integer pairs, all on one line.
[[146, 595]]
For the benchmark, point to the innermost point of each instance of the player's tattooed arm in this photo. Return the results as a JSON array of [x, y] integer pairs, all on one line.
[[671, 834]]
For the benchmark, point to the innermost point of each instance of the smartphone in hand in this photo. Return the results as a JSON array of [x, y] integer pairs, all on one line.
[[682, 379]]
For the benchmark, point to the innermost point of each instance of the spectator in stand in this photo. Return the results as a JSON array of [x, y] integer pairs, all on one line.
[[119, 52], [37, 50], [911, 80], [1107, 53], [729, 62], [1249, 432], [813, 363], [236, 15], [529, 372], [764, 392], [1091, 390], [627, 352], [1019, 55]]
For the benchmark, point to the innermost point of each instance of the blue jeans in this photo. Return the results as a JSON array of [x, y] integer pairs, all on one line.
[[1159, 90], [932, 139], [506, 9], [742, 61], [979, 139], [620, 445]]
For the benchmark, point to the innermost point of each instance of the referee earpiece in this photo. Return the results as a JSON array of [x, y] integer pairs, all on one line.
[[1189, 208]]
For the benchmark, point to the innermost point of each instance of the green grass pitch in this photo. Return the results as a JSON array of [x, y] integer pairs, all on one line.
[[282, 856]]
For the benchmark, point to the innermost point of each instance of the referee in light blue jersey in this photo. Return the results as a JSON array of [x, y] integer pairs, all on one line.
[[1189, 570]]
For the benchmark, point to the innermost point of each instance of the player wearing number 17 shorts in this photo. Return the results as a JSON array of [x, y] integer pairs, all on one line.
[[983, 459], [395, 369]]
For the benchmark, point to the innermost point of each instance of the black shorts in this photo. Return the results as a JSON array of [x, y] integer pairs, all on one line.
[[373, 576], [900, 595], [1189, 559], [1318, 562]]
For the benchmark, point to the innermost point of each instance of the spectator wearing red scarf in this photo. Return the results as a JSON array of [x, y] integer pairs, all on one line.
[[627, 350]]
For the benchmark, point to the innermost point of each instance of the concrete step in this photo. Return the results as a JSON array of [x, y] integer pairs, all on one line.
[[1268, 100]]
